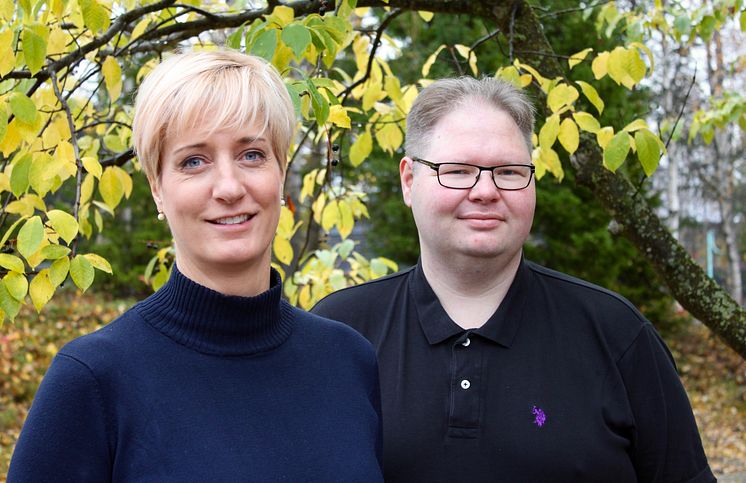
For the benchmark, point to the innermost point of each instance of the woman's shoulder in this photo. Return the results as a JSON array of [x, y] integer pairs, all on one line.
[[325, 331], [113, 338]]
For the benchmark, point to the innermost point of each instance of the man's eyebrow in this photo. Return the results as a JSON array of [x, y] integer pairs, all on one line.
[[243, 140]]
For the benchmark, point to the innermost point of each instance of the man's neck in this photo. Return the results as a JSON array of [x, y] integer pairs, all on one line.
[[470, 290]]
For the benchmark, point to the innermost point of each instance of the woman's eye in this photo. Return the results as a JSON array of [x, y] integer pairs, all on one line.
[[253, 156], [192, 162]]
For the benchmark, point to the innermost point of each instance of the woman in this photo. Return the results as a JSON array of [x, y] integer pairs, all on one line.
[[213, 377]]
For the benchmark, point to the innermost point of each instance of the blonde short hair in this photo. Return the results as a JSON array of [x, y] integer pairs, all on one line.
[[233, 89]]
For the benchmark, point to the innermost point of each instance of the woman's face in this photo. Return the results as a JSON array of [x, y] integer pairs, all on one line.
[[220, 192]]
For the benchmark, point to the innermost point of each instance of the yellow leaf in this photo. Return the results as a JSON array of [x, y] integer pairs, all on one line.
[[112, 77], [549, 131], [98, 262], [579, 57], [4, 182], [65, 152], [92, 166], [635, 125], [389, 137], [41, 289], [58, 270], [647, 51], [81, 272], [283, 250], [282, 15], [64, 224], [125, 179], [569, 136], [592, 95], [426, 16], [586, 121], [361, 148], [346, 222], [17, 285], [7, 56], [560, 96], [140, 28], [12, 262], [430, 61], [604, 135], [338, 116], [600, 65], [111, 188], [86, 189], [57, 42], [330, 216], [552, 162]]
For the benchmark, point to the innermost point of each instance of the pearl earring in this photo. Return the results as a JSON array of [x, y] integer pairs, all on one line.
[[161, 216], [282, 201]]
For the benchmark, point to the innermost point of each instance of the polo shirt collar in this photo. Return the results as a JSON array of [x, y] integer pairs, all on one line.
[[501, 327]]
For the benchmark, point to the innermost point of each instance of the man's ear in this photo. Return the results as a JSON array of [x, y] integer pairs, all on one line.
[[406, 175]]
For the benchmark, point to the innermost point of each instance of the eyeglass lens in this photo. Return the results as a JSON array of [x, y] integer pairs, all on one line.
[[463, 176]]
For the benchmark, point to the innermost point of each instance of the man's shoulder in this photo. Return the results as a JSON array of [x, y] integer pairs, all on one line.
[[365, 294], [577, 289]]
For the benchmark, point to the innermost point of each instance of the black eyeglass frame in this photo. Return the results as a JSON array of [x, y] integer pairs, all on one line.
[[436, 167]]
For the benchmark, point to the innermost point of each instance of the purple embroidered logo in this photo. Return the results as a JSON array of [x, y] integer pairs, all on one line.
[[539, 417]]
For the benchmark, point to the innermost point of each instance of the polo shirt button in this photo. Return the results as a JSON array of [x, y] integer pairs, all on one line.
[[466, 342], [465, 384]]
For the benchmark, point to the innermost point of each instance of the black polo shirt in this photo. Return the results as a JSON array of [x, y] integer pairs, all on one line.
[[565, 382]]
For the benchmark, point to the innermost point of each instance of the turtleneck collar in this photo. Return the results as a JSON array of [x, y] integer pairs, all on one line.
[[212, 323]]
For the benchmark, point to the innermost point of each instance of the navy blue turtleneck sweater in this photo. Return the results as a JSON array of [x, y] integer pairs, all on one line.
[[192, 385]]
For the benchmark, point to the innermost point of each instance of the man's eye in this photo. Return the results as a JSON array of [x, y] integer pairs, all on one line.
[[193, 162]]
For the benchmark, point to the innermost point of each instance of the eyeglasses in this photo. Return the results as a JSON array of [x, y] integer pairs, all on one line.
[[463, 176]]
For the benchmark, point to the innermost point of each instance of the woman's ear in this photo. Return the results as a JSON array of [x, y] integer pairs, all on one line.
[[155, 191]]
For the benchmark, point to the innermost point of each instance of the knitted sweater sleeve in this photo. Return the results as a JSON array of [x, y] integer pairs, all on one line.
[[64, 437]]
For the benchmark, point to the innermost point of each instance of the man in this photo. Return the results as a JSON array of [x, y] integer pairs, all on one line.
[[494, 368]]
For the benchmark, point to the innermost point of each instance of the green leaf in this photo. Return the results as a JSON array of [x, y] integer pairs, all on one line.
[[64, 224], [742, 21], [648, 150], [8, 304], [616, 151], [54, 252], [265, 44], [17, 285], [58, 271], [592, 95], [3, 123], [361, 148], [569, 136], [95, 16], [111, 188], [34, 49], [22, 107], [297, 37], [81, 272], [30, 237], [319, 104], [41, 290], [98, 262], [12, 262], [42, 171], [19, 176]]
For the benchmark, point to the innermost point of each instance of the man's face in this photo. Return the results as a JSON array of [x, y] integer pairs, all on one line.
[[481, 222]]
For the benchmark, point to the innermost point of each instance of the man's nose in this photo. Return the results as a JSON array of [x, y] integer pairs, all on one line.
[[485, 188]]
